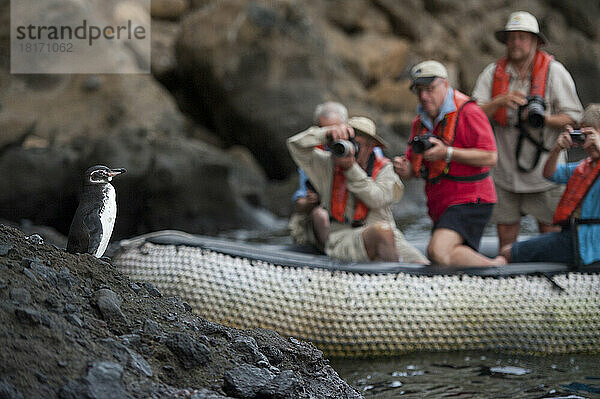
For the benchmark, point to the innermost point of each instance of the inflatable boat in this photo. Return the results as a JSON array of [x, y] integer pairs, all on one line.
[[372, 309]]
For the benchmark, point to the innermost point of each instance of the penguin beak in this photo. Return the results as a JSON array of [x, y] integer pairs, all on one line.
[[116, 172]]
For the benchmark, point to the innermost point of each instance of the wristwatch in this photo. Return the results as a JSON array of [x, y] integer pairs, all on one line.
[[449, 151]]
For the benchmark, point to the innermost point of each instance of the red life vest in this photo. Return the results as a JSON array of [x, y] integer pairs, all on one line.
[[438, 169], [581, 181], [539, 78], [339, 193]]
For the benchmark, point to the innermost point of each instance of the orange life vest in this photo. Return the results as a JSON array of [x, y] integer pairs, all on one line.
[[339, 192], [581, 181], [438, 169], [539, 78]]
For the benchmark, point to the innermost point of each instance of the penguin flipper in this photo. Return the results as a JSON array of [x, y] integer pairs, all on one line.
[[79, 236], [95, 233]]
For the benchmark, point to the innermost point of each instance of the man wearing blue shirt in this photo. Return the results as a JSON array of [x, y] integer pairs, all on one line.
[[579, 208]]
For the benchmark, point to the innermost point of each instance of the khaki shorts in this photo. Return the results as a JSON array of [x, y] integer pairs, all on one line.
[[348, 244], [512, 206], [301, 229]]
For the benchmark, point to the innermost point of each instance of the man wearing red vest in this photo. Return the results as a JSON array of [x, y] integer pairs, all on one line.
[[529, 97], [452, 147], [357, 189], [578, 211]]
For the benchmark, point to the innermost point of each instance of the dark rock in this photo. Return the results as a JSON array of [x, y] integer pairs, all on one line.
[[20, 295], [73, 390], [138, 363], [273, 353], [53, 303], [65, 280], [45, 272], [130, 339], [41, 377], [109, 304], [135, 288], [187, 307], [248, 348], [28, 315], [5, 249], [207, 394], [71, 308], [104, 381], [8, 391], [152, 328], [285, 385], [75, 320], [245, 381], [152, 290], [30, 274], [3, 284], [190, 352]]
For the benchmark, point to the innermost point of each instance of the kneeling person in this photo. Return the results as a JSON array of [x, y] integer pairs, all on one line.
[[357, 189], [578, 212]]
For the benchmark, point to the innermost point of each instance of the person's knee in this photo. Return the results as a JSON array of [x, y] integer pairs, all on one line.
[[379, 240], [438, 253], [320, 216]]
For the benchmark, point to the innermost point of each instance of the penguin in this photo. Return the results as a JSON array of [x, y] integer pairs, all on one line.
[[94, 218]]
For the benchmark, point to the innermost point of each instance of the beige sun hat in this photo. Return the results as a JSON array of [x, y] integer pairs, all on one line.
[[425, 72], [367, 127], [521, 21]]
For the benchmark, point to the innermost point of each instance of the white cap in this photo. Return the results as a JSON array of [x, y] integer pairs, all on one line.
[[521, 21], [425, 72]]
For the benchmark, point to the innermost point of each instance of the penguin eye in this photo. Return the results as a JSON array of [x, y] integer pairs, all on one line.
[[98, 176]]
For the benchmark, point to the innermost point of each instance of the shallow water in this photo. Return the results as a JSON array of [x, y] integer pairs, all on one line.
[[473, 375]]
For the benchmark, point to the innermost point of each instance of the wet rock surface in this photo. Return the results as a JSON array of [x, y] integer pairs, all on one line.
[[71, 326]]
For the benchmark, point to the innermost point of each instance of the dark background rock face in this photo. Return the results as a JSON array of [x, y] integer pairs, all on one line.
[[203, 137]]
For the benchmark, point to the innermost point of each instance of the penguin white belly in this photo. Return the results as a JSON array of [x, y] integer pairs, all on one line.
[[108, 214]]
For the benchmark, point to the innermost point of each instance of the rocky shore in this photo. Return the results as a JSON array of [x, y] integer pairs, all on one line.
[[72, 326]]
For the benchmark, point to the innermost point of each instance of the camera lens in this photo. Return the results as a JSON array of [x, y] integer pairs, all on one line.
[[342, 148], [535, 112]]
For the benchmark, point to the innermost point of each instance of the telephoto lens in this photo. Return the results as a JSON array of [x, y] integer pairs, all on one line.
[[343, 148]]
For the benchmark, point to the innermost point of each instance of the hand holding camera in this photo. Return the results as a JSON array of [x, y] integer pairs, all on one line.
[[432, 148], [340, 141]]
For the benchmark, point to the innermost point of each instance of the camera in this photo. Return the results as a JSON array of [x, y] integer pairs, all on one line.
[[535, 111], [421, 143], [343, 148], [577, 137]]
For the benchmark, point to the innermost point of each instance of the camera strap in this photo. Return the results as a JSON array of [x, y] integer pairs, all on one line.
[[539, 145]]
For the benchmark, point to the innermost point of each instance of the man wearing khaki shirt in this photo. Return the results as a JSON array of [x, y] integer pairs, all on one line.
[[357, 189], [504, 91]]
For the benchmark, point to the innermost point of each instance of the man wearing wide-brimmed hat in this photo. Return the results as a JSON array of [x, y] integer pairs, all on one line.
[[357, 188], [529, 97]]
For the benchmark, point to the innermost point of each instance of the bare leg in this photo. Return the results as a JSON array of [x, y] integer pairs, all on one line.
[[507, 233], [547, 228], [379, 242], [447, 248], [320, 221], [505, 251]]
